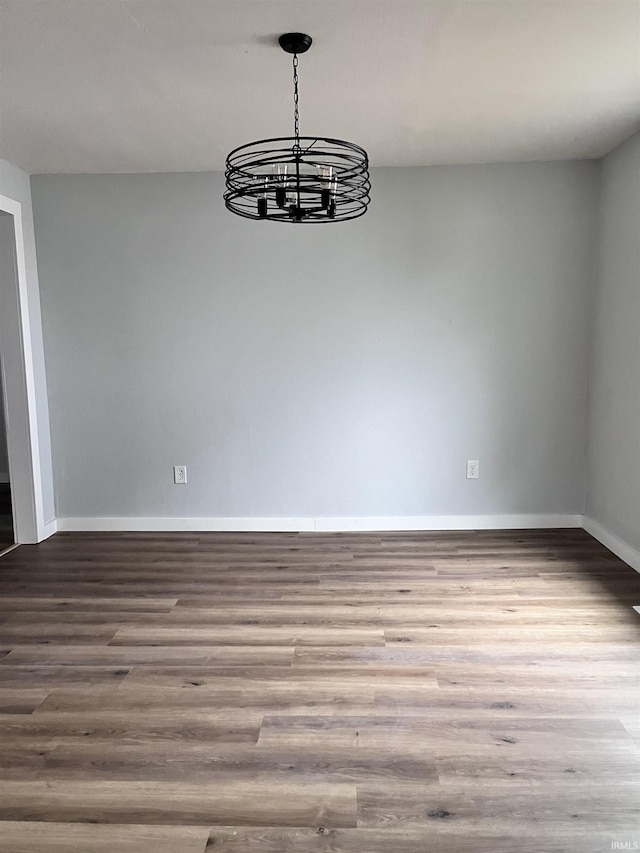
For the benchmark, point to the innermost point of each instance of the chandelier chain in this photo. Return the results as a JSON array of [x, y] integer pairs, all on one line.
[[296, 111]]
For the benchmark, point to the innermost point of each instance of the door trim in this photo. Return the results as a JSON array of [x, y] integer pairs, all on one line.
[[25, 473]]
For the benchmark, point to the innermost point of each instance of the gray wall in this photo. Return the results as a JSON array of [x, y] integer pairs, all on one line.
[[339, 370], [613, 459], [14, 183]]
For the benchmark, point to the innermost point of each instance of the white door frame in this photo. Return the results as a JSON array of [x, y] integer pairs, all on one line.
[[20, 397]]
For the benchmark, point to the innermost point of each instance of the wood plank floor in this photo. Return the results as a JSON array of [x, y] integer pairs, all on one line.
[[472, 692]]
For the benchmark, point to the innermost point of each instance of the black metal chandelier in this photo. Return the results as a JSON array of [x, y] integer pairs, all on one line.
[[298, 178]]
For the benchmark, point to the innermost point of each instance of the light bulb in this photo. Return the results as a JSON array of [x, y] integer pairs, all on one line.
[[284, 196], [327, 185]]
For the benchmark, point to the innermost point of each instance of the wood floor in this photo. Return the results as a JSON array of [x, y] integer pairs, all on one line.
[[343, 693]]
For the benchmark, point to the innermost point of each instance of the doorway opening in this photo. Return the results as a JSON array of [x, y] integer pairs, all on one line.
[[6, 513]]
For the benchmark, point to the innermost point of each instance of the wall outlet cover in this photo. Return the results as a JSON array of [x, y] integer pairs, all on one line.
[[473, 469]]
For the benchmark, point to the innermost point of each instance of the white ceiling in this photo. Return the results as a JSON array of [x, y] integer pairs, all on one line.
[[173, 85]]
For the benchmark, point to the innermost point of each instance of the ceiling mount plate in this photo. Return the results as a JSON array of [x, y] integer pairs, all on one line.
[[295, 42]]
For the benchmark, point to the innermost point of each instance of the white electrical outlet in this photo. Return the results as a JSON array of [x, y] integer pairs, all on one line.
[[473, 469], [180, 474]]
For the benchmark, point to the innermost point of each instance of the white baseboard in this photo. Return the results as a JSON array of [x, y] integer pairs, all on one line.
[[612, 542], [324, 525], [445, 522], [170, 525]]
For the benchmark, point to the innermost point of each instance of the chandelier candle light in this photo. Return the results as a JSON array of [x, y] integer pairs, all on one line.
[[298, 178]]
